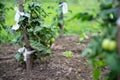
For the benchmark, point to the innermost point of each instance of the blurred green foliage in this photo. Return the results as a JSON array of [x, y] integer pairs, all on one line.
[[102, 50]]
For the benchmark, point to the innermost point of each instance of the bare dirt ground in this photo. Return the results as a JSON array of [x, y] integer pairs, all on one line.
[[55, 67]]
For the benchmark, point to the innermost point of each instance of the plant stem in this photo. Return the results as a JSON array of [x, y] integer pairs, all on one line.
[[26, 40], [61, 26], [118, 36]]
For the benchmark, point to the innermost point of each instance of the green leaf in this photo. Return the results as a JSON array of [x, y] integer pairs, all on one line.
[[100, 63], [17, 56], [113, 61], [85, 52], [48, 51], [21, 19], [96, 74], [68, 54], [37, 46], [82, 37], [37, 29]]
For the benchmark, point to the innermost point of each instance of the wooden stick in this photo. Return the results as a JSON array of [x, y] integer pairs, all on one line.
[[26, 40], [118, 35], [61, 26]]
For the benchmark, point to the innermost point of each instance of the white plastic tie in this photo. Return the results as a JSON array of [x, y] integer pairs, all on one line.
[[26, 53], [17, 17], [27, 15], [16, 26], [21, 50], [118, 21], [64, 7]]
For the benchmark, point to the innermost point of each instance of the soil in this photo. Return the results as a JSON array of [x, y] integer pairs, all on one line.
[[55, 67]]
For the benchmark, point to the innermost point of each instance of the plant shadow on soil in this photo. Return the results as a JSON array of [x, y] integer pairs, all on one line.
[[56, 67]]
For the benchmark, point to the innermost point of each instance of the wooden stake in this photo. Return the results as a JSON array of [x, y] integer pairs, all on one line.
[[118, 42], [26, 41], [61, 26], [118, 36]]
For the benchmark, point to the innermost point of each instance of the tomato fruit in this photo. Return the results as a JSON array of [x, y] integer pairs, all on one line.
[[109, 45], [34, 15], [52, 40], [105, 44], [112, 45]]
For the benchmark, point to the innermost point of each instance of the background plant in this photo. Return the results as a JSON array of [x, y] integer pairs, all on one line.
[[2, 21], [5, 35]]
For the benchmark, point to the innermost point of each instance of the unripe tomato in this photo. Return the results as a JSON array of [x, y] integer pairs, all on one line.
[[109, 45], [112, 45], [52, 40], [105, 44], [34, 15]]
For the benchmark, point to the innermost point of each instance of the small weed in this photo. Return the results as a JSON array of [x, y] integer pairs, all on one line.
[[68, 54]]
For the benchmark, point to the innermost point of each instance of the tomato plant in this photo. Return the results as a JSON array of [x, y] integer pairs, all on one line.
[[59, 18], [38, 32], [102, 51]]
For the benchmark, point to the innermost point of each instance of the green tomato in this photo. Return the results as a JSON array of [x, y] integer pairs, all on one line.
[[112, 45], [52, 40], [105, 44], [109, 45], [34, 15]]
